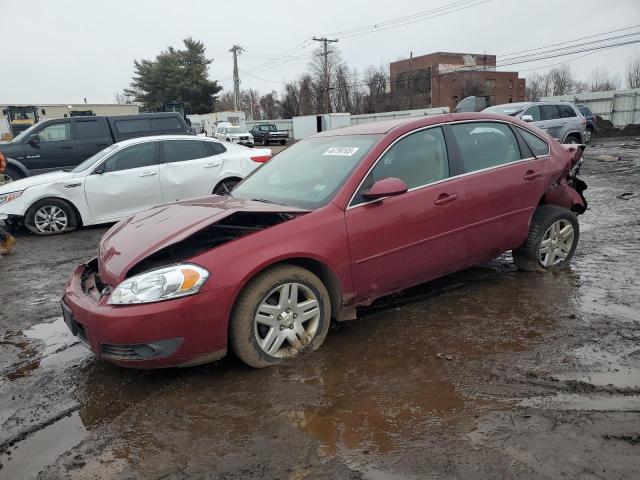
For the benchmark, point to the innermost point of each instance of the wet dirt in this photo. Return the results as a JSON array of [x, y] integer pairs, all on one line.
[[542, 382]]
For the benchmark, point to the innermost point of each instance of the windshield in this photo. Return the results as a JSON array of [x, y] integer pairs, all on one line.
[[23, 134], [309, 173], [94, 159], [508, 109], [236, 130], [24, 113]]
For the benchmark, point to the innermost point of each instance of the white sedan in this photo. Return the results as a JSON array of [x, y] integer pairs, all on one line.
[[125, 178], [231, 134]]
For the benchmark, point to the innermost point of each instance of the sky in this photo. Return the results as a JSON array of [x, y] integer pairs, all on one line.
[[66, 50]]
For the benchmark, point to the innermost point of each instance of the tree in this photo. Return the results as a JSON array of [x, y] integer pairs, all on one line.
[[632, 71], [270, 106], [121, 98], [562, 81], [600, 81], [179, 75]]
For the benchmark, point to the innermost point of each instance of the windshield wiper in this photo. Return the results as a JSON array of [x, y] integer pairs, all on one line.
[[263, 200]]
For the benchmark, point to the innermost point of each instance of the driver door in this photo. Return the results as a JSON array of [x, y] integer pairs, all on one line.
[[401, 241], [125, 183]]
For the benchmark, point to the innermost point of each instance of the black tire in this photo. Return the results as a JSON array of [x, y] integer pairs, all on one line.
[[69, 211], [242, 326], [572, 139], [588, 135], [265, 142], [225, 186], [527, 256], [283, 142], [13, 174]]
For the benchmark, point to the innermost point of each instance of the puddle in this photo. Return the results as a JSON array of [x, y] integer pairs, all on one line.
[[600, 403], [27, 458], [623, 379], [43, 345]]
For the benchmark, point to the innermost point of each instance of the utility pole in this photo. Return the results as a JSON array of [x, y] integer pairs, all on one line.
[[236, 50], [410, 80], [325, 54], [251, 95]]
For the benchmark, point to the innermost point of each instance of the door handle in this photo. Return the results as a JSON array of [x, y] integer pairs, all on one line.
[[148, 174], [67, 147], [210, 165], [445, 198], [531, 174]]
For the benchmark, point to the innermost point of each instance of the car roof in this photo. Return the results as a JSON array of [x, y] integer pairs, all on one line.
[[156, 138], [387, 126]]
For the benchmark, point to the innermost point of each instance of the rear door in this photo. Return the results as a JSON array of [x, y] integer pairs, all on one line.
[[414, 237], [54, 150], [125, 183], [502, 186], [91, 135], [190, 168], [552, 121]]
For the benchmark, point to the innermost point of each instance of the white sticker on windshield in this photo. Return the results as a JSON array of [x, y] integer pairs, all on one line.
[[342, 151]]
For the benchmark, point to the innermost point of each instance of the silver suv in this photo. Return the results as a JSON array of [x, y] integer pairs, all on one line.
[[562, 120]]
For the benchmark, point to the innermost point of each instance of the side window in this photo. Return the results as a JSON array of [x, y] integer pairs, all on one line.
[[183, 150], [485, 144], [135, 156], [216, 148], [418, 159], [534, 112], [566, 111], [539, 147], [131, 126], [549, 112], [86, 130], [57, 132], [161, 124]]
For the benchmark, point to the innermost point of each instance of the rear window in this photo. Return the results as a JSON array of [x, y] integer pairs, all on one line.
[[133, 125], [539, 147], [161, 124], [485, 144], [183, 150]]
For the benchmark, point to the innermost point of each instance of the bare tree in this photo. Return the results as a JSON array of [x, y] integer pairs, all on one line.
[[562, 80], [224, 102], [290, 104], [601, 81], [537, 87], [270, 106], [632, 72]]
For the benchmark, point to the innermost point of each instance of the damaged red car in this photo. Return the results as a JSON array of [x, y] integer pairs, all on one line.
[[330, 224]]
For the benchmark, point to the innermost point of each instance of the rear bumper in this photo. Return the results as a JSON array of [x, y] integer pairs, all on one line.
[[184, 331]]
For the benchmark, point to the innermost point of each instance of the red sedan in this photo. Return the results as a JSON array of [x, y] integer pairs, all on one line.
[[332, 223]]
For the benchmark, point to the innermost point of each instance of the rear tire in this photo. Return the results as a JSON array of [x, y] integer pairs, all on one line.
[[283, 142], [225, 186], [51, 216], [553, 237], [588, 134], [269, 312]]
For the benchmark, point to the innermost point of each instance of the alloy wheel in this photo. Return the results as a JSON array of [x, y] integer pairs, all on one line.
[[50, 219], [556, 244], [287, 320]]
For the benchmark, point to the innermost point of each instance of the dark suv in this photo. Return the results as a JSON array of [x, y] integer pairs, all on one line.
[[591, 122]]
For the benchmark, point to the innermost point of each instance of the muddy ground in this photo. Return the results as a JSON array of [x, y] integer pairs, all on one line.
[[538, 375]]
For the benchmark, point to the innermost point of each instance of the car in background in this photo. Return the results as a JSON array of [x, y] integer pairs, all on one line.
[[332, 223], [267, 133], [64, 143], [591, 122], [125, 178], [562, 120], [234, 134]]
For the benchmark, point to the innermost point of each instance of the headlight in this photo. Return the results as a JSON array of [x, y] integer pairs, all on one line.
[[7, 197], [161, 284]]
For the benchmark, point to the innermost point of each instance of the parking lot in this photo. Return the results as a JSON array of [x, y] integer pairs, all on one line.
[[486, 373]]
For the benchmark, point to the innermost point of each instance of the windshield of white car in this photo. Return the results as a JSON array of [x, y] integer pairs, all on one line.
[[94, 159], [18, 138], [309, 173], [236, 130]]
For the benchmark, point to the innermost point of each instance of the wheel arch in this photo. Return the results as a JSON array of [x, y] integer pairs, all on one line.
[[574, 133], [230, 176], [18, 165]]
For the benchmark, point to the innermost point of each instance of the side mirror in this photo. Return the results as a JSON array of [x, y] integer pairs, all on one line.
[[99, 170], [527, 118], [387, 187], [34, 139]]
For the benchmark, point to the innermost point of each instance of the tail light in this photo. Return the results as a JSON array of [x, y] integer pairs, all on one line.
[[583, 120], [261, 158]]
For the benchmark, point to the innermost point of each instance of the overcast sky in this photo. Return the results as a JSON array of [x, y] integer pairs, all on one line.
[[65, 50]]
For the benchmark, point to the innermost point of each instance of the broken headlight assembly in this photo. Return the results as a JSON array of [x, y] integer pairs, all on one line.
[[8, 197], [160, 284]]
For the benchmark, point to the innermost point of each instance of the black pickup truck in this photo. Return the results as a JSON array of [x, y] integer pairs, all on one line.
[[66, 142], [267, 133]]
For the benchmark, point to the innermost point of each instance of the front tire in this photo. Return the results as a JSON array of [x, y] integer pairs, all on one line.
[[12, 174], [553, 237], [225, 187], [51, 216], [282, 312]]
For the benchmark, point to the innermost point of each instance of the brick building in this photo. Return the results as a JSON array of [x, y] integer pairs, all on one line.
[[443, 79]]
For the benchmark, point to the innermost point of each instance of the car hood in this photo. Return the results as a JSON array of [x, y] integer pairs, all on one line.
[[132, 240], [24, 183]]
